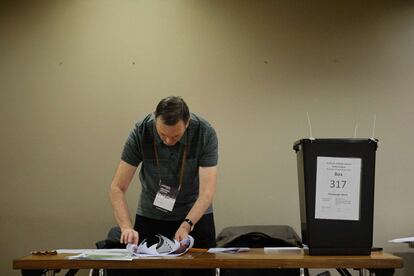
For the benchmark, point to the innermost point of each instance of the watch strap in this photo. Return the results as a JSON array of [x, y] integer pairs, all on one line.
[[189, 223]]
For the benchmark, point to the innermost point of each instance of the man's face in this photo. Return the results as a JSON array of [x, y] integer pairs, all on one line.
[[170, 135]]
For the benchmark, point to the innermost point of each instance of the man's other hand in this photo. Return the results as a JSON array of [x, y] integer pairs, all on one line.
[[129, 235], [182, 232]]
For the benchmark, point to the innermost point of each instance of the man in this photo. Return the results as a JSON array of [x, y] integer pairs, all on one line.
[[177, 151]]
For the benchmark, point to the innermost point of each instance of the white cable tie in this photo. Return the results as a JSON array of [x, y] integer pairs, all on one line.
[[310, 127]]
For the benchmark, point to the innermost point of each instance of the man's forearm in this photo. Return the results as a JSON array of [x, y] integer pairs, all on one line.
[[208, 179], [200, 207], [207, 189], [120, 208]]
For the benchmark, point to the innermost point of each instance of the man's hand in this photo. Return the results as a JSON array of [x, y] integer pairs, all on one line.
[[129, 235], [182, 232]]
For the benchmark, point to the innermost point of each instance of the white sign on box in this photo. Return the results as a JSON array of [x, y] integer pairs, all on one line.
[[338, 186]]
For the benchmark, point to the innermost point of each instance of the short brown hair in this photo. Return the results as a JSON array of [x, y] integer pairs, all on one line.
[[172, 109]]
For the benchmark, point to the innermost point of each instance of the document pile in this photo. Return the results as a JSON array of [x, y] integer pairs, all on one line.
[[162, 246], [155, 247], [228, 249], [98, 254]]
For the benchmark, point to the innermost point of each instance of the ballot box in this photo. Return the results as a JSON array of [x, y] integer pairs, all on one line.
[[336, 194]]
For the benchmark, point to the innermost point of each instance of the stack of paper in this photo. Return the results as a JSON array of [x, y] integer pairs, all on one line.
[[163, 247], [228, 249]]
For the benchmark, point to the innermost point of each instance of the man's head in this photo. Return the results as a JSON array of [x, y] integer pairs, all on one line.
[[171, 119]]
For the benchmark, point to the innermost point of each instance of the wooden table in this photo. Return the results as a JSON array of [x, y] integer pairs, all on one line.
[[380, 263]]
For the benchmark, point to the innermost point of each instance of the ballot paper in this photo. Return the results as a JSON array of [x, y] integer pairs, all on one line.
[[158, 246], [403, 240], [228, 249], [102, 254], [163, 247], [283, 249]]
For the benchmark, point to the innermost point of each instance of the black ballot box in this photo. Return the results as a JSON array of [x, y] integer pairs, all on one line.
[[336, 194]]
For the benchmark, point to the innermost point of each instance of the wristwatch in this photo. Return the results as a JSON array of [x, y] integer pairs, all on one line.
[[190, 223]]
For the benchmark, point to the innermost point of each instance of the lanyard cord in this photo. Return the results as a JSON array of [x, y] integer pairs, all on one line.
[[182, 161]]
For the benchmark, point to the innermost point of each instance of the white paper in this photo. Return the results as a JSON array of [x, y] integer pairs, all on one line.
[[104, 255], [402, 240], [91, 251], [166, 247], [228, 249], [285, 249], [338, 183]]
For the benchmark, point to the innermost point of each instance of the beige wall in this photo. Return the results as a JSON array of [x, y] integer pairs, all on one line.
[[76, 75]]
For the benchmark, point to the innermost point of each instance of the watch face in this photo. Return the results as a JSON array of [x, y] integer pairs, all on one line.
[[190, 223]]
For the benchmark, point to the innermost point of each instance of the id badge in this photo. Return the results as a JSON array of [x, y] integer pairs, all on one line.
[[166, 197]]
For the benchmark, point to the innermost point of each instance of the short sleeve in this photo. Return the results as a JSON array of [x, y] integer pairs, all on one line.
[[131, 153], [209, 153]]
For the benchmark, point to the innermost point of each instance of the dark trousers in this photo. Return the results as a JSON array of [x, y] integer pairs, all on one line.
[[204, 235]]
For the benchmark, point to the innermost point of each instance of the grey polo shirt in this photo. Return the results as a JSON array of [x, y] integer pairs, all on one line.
[[201, 141]]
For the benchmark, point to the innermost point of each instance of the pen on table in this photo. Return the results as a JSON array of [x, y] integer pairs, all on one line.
[[44, 252]]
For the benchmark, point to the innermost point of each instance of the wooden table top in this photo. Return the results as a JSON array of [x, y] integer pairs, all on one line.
[[255, 258]]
